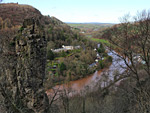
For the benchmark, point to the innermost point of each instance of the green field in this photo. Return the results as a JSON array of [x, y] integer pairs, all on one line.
[[100, 40], [103, 41]]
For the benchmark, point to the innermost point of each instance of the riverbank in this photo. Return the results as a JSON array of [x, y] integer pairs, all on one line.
[[88, 76], [91, 81], [100, 65]]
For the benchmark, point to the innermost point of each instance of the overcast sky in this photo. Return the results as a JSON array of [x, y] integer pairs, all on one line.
[[106, 11]]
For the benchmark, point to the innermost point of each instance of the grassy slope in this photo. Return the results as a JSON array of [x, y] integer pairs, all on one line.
[[100, 40]]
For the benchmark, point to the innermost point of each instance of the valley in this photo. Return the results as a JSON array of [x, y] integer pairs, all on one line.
[[48, 66]]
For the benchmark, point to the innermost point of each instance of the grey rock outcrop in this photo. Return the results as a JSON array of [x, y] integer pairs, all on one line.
[[22, 69]]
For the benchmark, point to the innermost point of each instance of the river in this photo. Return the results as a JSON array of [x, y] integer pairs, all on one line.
[[91, 83]]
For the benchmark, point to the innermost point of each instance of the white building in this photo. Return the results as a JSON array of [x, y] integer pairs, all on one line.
[[65, 48], [68, 47]]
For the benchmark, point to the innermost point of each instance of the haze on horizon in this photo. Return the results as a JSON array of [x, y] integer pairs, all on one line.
[[104, 11]]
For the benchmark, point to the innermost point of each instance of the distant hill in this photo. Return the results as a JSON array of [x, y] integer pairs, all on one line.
[[87, 23], [89, 27]]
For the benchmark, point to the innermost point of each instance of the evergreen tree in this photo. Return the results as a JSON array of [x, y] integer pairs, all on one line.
[[50, 55]]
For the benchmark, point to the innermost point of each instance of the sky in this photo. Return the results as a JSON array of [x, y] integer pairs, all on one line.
[[104, 11]]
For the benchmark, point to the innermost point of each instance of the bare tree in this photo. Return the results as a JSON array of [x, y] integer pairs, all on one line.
[[131, 39]]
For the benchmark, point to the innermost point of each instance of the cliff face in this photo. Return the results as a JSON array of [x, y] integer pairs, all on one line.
[[31, 59], [22, 70], [8, 62]]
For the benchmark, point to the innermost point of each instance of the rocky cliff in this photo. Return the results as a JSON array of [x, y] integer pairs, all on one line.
[[22, 70]]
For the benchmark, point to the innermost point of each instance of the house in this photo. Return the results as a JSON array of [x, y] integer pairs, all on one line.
[[68, 47], [65, 48], [96, 60], [58, 50], [97, 55]]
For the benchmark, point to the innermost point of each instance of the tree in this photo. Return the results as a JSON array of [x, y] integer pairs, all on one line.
[[101, 64], [62, 67], [132, 40], [50, 55], [101, 49]]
